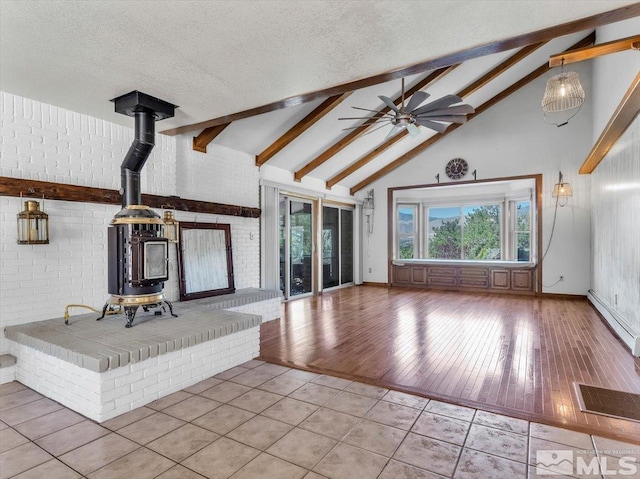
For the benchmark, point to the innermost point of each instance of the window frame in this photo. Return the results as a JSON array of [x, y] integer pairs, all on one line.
[[530, 190], [417, 250]]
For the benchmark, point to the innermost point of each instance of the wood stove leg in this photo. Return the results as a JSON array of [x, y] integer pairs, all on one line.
[[130, 312], [168, 303]]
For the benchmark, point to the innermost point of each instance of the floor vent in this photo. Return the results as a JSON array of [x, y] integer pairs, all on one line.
[[608, 402]]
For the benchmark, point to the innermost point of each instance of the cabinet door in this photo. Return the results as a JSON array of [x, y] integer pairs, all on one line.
[[500, 279], [419, 275], [402, 274], [473, 277], [441, 276], [522, 280]]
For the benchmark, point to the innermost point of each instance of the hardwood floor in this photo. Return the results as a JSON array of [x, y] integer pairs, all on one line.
[[514, 355]]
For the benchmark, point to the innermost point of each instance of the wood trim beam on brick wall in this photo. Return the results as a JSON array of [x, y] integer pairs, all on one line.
[[626, 111], [206, 136], [354, 134], [86, 194], [545, 34], [468, 90], [300, 127], [588, 40]]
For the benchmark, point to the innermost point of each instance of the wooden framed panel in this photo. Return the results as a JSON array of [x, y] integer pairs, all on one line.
[[522, 279], [473, 277], [418, 275], [205, 260], [402, 274], [500, 279]]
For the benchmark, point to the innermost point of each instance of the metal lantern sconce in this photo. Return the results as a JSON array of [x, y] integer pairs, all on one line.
[[33, 224], [562, 191], [171, 226]]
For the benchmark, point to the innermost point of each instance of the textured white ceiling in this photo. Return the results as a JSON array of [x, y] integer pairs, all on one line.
[[218, 57]]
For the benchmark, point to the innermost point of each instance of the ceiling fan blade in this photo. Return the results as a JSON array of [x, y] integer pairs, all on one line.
[[413, 130], [443, 102], [375, 129], [448, 118], [387, 101], [394, 130], [374, 111], [366, 118], [439, 127], [453, 110], [366, 125], [416, 100]]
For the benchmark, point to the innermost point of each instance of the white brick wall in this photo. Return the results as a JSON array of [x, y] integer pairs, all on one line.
[[269, 310], [47, 143], [102, 396], [222, 175]]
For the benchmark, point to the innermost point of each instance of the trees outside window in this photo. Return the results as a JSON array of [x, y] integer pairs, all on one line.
[[472, 232]]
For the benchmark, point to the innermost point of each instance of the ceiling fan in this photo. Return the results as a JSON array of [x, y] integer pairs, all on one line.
[[410, 116]]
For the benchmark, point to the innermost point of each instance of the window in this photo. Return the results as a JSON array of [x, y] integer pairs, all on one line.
[[465, 232], [487, 221], [407, 221], [522, 230]]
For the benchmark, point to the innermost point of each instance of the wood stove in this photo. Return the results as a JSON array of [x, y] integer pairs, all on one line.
[[138, 251]]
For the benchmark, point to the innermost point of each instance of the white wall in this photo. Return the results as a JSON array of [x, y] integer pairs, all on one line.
[[615, 228], [615, 186], [511, 139], [43, 142], [612, 74]]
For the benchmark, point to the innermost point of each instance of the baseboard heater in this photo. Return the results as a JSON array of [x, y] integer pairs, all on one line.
[[628, 336]]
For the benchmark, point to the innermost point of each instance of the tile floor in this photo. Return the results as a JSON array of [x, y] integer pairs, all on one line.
[[261, 420]]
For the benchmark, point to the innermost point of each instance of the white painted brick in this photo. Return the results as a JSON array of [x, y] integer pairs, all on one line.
[[129, 398]]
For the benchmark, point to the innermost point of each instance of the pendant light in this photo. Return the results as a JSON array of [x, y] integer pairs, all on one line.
[[563, 93], [562, 191]]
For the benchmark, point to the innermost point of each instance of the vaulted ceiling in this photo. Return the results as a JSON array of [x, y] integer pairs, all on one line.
[[271, 78]]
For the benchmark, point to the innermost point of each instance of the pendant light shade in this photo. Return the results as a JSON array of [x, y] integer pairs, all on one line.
[[563, 92], [562, 191]]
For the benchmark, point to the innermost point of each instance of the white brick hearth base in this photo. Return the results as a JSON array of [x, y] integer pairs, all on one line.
[[102, 396]]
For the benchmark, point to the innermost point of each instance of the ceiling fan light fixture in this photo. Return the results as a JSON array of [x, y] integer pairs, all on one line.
[[435, 115]]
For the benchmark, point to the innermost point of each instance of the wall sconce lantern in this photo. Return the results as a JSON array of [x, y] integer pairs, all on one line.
[[33, 224], [562, 191], [171, 226]]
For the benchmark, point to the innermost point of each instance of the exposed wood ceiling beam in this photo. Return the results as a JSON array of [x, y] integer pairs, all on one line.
[[300, 127], [519, 41], [351, 136], [587, 53], [468, 90], [207, 135], [624, 115], [588, 40]]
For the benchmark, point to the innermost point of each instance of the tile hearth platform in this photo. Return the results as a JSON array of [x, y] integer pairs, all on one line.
[[102, 369], [265, 421]]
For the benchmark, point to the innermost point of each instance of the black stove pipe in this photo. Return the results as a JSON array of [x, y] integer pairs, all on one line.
[[136, 157]]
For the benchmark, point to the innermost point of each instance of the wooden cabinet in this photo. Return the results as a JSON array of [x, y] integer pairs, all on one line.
[[522, 280], [465, 277], [500, 279]]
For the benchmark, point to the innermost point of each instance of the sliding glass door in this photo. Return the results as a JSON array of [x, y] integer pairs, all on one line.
[[296, 246], [337, 246]]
